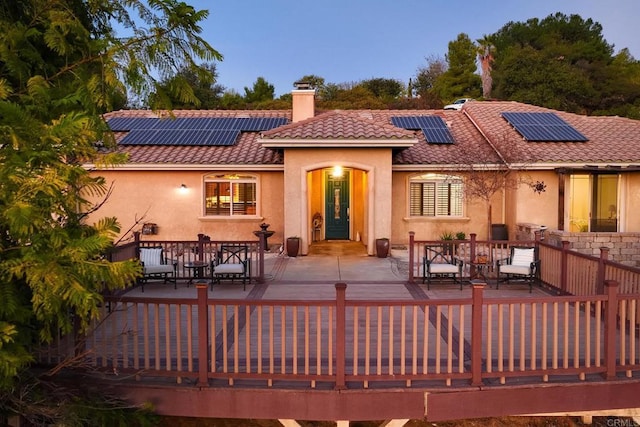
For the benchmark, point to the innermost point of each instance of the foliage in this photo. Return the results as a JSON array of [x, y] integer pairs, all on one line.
[[563, 62], [261, 91], [460, 78], [385, 89], [426, 77], [61, 66], [447, 235], [190, 88]]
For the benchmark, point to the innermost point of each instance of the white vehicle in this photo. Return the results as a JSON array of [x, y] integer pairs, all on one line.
[[457, 104]]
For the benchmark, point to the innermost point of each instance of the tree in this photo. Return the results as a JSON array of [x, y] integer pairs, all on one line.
[[262, 91], [190, 88], [425, 79], [486, 53], [563, 62], [460, 78], [387, 90], [488, 171], [61, 66]]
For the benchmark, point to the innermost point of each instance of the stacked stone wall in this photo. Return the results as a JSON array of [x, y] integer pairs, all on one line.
[[623, 247]]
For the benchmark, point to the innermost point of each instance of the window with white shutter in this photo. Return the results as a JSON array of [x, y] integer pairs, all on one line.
[[436, 196]]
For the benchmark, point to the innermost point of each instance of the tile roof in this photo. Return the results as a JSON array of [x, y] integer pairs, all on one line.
[[478, 130], [610, 139], [338, 125]]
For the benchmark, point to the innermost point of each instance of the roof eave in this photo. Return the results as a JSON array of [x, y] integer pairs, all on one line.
[[186, 167], [337, 143]]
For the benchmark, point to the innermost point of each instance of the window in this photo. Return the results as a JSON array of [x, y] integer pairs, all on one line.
[[435, 195], [593, 202], [230, 195]]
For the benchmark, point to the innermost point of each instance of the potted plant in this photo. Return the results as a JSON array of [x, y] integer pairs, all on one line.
[[461, 235], [447, 248], [382, 247], [293, 246]]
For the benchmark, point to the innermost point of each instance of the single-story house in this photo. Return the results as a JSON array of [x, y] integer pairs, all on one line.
[[368, 174]]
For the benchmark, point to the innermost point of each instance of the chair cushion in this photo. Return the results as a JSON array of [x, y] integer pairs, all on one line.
[[229, 269], [437, 268], [151, 256], [515, 269], [158, 269], [522, 257]]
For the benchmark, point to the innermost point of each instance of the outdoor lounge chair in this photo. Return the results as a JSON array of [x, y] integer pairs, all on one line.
[[232, 261], [440, 261], [156, 266], [522, 264]]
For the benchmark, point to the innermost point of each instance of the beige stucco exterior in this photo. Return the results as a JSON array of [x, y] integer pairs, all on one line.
[[371, 191], [156, 197]]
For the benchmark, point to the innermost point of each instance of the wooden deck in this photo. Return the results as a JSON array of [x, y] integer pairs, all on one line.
[[369, 334]]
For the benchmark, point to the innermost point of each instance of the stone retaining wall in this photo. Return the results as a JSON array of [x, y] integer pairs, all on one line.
[[623, 247]]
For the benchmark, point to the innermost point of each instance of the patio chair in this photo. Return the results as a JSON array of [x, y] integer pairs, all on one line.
[[521, 264], [440, 261], [231, 262], [156, 266]]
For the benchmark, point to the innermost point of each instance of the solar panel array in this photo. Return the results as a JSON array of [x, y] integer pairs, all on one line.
[[205, 131], [434, 128], [543, 127]]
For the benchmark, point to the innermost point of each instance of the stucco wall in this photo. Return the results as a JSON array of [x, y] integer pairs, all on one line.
[[376, 207], [156, 197], [475, 219]]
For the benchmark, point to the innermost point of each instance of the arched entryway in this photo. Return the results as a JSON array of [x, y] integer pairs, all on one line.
[[340, 196]]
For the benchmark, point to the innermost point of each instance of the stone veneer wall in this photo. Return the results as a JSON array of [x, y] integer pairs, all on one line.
[[623, 247]]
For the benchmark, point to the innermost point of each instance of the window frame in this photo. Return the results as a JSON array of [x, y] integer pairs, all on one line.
[[455, 205], [230, 180]]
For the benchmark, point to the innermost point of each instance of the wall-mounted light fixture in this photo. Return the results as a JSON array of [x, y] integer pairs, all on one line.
[[182, 188], [337, 172]]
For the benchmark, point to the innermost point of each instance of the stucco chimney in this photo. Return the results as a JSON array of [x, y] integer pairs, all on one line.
[[303, 99]]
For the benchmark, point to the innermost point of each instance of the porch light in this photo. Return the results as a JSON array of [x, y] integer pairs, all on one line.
[[337, 172], [182, 188]]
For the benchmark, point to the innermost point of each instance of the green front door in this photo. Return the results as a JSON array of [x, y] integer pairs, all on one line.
[[337, 207]]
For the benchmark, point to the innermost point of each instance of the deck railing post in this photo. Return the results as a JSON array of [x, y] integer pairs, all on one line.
[[610, 329], [564, 266], [412, 238], [476, 333], [136, 238], [200, 247], [261, 248], [203, 335], [472, 254], [604, 256], [341, 323]]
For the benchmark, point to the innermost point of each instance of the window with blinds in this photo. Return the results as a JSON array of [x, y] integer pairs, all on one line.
[[230, 194], [435, 195]]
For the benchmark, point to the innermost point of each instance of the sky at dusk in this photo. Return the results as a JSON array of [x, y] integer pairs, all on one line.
[[353, 40]]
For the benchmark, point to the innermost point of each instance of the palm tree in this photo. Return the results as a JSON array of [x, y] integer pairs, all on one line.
[[486, 51]]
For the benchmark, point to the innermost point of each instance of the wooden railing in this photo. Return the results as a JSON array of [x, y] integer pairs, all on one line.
[[186, 251], [438, 342], [568, 271]]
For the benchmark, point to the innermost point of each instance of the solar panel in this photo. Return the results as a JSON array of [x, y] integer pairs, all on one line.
[[543, 127], [180, 137], [435, 130], [189, 130]]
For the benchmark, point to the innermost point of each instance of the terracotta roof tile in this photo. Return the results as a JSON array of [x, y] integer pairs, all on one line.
[[338, 125], [611, 140]]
